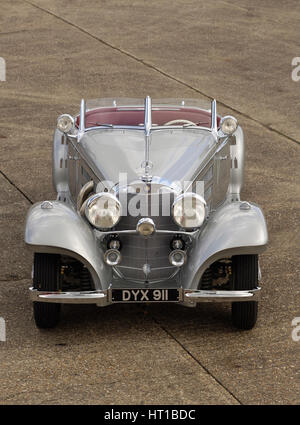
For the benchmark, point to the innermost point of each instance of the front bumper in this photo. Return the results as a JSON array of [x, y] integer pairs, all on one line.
[[104, 298]]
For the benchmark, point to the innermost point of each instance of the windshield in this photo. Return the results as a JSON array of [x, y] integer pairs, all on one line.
[[136, 102], [131, 112]]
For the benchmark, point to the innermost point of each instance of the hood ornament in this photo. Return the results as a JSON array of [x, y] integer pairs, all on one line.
[[147, 166]]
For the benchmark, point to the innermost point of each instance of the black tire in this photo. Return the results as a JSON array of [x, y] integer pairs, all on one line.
[[245, 276], [46, 278]]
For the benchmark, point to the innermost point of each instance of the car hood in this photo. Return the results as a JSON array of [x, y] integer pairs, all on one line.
[[175, 155]]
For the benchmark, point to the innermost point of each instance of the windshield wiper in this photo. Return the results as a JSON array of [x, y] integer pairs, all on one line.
[[195, 125], [101, 125]]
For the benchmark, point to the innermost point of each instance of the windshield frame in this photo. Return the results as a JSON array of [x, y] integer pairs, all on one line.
[[147, 126]]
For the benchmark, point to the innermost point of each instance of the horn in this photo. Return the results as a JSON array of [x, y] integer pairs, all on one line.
[[85, 191]]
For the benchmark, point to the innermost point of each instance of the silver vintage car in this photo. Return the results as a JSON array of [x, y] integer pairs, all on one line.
[[148, 210]]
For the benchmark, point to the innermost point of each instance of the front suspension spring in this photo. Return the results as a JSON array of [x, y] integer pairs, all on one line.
[[206, 280]]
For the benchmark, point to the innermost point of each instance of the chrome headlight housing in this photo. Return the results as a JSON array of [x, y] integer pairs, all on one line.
[[65, 123], [228, 124], [103, 210], [188, 210]]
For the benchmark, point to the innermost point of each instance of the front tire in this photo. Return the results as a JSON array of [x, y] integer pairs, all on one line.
[[245, 276], [46, 278]]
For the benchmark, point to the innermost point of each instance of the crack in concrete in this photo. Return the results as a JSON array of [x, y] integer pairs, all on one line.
[[16, 187], [162, 72], [14, 32], [195, 359]]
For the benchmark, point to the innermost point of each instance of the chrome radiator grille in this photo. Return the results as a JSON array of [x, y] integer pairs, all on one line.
[[147, 259]]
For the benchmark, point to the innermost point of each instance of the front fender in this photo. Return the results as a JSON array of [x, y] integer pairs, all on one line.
[[61, 230], [230, 231]]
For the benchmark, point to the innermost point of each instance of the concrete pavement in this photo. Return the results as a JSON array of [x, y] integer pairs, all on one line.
[[57, 52]]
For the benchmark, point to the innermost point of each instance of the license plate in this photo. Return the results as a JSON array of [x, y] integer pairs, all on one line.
[[145, 295]]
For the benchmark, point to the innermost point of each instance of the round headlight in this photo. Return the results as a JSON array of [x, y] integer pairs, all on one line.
[[103, 210], [189, 210], [228, 124], [65, 123]]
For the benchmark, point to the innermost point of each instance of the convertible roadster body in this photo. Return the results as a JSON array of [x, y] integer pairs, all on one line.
[[148, 209]]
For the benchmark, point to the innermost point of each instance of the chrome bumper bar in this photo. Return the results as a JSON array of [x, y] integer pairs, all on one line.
[[199, 296], [103, 298]]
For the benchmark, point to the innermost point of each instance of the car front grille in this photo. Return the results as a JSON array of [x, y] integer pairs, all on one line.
[[140, 253]]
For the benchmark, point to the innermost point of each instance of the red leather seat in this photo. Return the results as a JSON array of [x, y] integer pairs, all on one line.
[[117, 116]]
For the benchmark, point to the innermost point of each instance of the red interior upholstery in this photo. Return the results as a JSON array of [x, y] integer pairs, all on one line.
[[117, 116]]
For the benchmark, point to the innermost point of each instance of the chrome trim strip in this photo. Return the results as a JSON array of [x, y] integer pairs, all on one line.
[[142, 127], [148, 117], [140, 268], [115, 127], [147, 126], [101, 235], [214, 121], [82, 117]]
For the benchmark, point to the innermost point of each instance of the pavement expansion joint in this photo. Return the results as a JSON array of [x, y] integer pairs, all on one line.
[[195, 359], [16, 187]]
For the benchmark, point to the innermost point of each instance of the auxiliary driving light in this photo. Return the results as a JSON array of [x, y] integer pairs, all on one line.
[[65, 123], [145, 226], [177, 257], [228, 124], [112, 257]]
